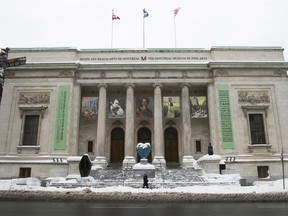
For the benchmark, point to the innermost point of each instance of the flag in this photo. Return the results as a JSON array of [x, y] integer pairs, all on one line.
[[115, 17], [145, 13], [176, 11]]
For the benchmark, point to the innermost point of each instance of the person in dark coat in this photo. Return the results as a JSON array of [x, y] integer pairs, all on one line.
[[145, 179]]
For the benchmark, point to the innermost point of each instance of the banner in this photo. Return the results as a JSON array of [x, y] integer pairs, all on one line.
[[225, 116], [61, 118]]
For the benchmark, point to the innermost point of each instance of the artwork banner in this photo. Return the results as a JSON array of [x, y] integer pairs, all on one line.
[[116, 107], [198, 107], [144, 107], [171, 107], [89, 107]]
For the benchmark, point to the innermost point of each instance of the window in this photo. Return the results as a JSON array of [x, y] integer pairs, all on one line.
[[263, 171], [256, 117], [257, 131], [30, 132], [90, 146], [31, 127], [25, 172], [198, 145]]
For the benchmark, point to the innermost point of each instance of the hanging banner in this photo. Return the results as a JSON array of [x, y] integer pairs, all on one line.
[[61, 118], [225, 116]]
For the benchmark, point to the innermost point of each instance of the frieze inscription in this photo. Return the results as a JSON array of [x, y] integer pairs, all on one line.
[[253, 97]]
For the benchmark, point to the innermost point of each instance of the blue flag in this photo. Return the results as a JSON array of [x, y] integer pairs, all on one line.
[[145, 13]]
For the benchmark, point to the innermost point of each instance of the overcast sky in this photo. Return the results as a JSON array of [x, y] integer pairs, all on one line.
[[88, 23]]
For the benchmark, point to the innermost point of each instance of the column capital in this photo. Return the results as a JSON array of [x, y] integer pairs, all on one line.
[[157, 85], [182, 85], [105, 85], [129, 85]]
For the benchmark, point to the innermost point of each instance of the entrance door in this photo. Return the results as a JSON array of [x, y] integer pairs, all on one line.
[[117, 145], [143, 136], [171, 145]]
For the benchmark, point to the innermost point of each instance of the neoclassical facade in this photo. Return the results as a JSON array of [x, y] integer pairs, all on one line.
[[66, 102]]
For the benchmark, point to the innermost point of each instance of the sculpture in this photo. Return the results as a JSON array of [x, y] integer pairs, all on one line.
[[85, 166], [143, 149]]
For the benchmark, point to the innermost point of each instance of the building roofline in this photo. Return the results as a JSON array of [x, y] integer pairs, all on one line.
[[213, 48]]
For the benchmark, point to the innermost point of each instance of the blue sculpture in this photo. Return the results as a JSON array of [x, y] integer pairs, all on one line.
[[143, 149]]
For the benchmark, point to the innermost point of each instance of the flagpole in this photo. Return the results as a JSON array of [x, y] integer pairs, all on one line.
[[112, 35], [112, 30], [175, 14], [175, 41], [143, 32]]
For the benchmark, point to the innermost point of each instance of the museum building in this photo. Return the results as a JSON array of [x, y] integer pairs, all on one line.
[[67, 102]]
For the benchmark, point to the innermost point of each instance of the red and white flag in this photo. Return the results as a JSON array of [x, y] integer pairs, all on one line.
[[176, 11], [114, 16]]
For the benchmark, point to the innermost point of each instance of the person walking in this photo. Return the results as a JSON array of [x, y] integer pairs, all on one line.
[[145, 180]]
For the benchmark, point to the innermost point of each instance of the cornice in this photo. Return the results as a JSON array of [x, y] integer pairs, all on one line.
[[146, 66], [76, 65], [46, 66], [245, 64]]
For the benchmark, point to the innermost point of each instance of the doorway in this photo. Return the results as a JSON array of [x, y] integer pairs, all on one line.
[[117, 145], [143, 136], [171, 145]]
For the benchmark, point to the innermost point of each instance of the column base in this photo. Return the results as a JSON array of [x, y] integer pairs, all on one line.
[[159, 162], [99, 163], [128, 162], [188, 161]]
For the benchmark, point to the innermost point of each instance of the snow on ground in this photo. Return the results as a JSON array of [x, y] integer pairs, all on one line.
[[30, 189], [33, 184]]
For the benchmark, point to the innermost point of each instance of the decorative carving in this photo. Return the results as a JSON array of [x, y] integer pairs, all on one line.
[[170, 123], [254, 108], [117, 124], [34, 98], [102, 74], [157, 85], [210, 73], [130, 74], [144, 123], [105, 85], [253, 97], [157, 74], [129, 85], [77, 74], [66, 73], [221, 72], [184, 74], [36, 110], [182, 85]]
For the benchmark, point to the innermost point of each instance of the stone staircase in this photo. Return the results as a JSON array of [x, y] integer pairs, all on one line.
[[164, 178], [168, 178]]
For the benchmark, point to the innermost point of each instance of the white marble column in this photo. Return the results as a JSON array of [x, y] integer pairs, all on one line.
[[211, 95], [158, 160], [100, 160], [188, 159], [130, 146], [76, 95]]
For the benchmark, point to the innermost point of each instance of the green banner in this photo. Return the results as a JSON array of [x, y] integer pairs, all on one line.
[[61, 117], [225, 115]]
